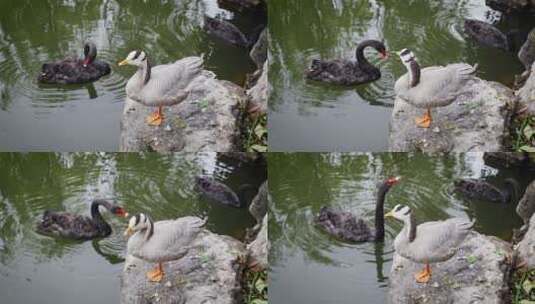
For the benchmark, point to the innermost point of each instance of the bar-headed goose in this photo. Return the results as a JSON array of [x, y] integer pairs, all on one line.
[[162, 241], [429, 242], [162, 85], [430, 87]]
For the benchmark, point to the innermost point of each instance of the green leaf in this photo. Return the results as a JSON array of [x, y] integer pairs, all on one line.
[[259, 148], [260, 285], [528, 131], [527, 149], [527, 302], [259, 131], [259, 301], [528, 286]]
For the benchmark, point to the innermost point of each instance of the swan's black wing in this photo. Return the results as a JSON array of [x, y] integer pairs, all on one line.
[[71, 226]]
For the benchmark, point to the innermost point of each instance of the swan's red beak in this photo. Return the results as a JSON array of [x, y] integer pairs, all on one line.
[[86, 62], [393, 180], [121, 212], [383, 55]]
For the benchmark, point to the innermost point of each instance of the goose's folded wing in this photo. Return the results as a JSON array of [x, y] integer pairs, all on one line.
[[438, 239]]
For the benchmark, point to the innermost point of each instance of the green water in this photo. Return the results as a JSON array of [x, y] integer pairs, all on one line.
[[306, 116], [309, 267], [39, 269], [87, 117]]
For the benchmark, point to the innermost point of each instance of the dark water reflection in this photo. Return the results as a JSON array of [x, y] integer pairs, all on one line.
[[86, 117], [39, 269], [308, 266], [306, 116]]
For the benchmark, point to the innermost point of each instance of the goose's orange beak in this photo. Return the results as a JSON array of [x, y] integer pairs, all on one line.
[[128, 232]]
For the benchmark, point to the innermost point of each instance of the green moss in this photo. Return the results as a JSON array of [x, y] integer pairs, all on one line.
[[256, 134], [255, 287], [524, 287], [524, 134]]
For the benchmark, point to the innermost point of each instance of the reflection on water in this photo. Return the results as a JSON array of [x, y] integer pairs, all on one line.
[[86, 117], [40, 269], [307, 116], [308, 266]]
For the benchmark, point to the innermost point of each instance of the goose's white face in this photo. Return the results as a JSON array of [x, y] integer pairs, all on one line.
[[136, 58], [406, 56], [136, 223], [400, 212]]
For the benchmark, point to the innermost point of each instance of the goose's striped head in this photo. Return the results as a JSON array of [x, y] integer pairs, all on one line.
[[406, 56], [138, 222], [136, 58], [400, 212]]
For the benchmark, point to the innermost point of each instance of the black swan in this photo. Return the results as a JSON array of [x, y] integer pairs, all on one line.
[[79, 227], [346, 227], [346, 72], [219, 192], [486, 34], [225, 31], [484, 191], [75, 70]]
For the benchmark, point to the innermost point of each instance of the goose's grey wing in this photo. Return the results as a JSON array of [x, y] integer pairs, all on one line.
[[169, 83], [172, 239], [439, 86], [438, 241]]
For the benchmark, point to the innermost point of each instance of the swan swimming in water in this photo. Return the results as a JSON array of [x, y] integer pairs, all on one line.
[[79, 227], [346, 72], [74, 70], [345, 226]]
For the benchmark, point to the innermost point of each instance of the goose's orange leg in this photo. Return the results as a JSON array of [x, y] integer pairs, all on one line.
[[156, 118], [156, 275], [425, 275], [424, 121]]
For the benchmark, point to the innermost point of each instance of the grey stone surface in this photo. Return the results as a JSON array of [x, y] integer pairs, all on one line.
[[209, 274], [478, 273], [478, 120], [526, 94], [258, 94], [259, 50], [526, 205], [259, 205], [526, 248], [259, 248], [208, 120]]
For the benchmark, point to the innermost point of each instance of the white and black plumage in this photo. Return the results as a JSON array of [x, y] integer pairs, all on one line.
[[430, 87], [161, 85], [162, 241], [429, 242]]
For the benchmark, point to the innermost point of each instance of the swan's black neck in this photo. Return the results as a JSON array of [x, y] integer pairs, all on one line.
[[90, 52], [361, 60], [379, 211], [414, 72], [95, 213]]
